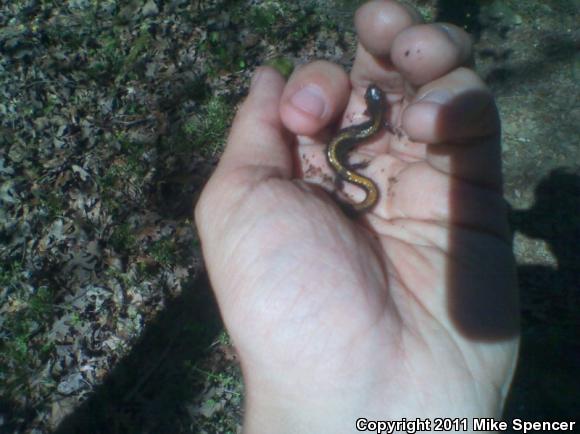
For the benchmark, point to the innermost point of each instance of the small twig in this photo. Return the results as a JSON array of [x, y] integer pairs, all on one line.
[[135, 122]]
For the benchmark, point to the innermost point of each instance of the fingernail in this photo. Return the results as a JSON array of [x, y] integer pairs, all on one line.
[[450, 32], [310, 99], [439, 96]]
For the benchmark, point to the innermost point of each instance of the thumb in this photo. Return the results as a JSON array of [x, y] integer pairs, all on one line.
[[257, 149], [258, 139]]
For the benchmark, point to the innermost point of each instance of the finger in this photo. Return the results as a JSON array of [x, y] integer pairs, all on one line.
[[426, 52], [258, 137], [378, 23], [440, 112], [315, 96], [396, 48], [457, 117]]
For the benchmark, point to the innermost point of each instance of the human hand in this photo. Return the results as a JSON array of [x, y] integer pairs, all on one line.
[[408, 311]]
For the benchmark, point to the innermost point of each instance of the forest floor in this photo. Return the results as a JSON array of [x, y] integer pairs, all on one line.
[[113, 115]]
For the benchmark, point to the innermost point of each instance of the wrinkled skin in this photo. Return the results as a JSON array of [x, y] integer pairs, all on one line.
[[409, 310]]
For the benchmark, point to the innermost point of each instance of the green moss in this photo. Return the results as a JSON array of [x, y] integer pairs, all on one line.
[[164, 252], [123, 239], [282, 64], [206, 130], [264, 15], [10, 274], [54, 203], [123, 176], [31, 311], [139, 47]]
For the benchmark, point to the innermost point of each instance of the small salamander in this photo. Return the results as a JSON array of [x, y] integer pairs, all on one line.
[[349, 137]]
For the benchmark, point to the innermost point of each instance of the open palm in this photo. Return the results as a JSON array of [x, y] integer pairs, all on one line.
[[407, 311]]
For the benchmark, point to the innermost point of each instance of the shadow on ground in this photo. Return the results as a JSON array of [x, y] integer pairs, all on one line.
[[462, 13], [147, 390], [555, 53], [151, 385], [547, 381]]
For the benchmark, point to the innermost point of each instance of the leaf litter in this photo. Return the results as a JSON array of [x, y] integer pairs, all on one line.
[[109, 127]]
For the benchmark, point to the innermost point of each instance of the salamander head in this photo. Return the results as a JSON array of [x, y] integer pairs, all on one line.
[[375, 97]]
